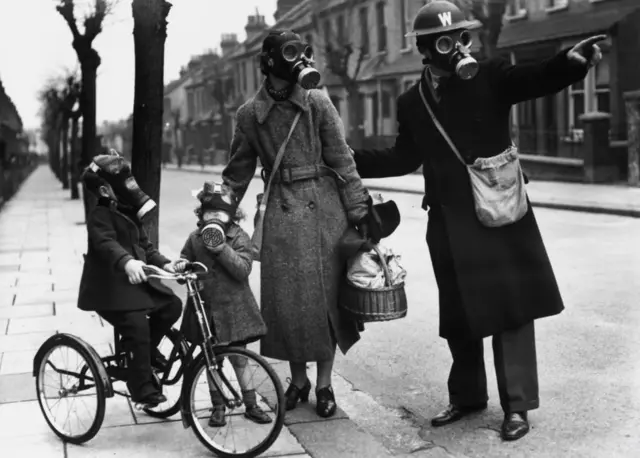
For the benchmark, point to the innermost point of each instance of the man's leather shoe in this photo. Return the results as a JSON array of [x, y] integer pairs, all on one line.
[[454, 413], [514, 426]]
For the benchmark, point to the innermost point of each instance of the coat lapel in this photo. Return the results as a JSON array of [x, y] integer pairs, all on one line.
[[263, 102]]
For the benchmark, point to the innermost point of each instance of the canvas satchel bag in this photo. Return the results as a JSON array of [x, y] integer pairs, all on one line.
[[256, 238], [497, 182]]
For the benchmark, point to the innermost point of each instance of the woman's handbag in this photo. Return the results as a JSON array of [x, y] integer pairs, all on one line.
[[497, 182], [256, 238]]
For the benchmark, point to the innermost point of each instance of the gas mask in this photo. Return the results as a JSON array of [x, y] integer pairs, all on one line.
[[286, 56], [116, 171], [450, 52], [217, 207]]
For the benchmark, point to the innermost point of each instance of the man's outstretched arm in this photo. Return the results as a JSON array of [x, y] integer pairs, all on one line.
[[401, 159]]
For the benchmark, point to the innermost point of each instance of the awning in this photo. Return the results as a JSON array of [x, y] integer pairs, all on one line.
[[600, 17]]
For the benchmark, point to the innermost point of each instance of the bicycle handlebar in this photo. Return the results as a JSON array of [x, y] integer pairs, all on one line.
[[189, 272]]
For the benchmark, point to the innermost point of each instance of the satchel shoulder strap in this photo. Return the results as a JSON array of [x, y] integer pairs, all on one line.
[[276, 163], [438, 125]]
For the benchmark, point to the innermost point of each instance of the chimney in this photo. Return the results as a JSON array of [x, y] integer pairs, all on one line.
[[255, 25], [228, 42], [283, 7]]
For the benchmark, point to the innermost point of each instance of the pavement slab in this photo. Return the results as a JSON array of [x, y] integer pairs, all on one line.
[[168, 439], [26, 311], [39, 445], [329, 439], [17, 342], [22, 419], [17, 387]]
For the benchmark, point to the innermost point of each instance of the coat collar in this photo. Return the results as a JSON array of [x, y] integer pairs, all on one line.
[[263, 102]]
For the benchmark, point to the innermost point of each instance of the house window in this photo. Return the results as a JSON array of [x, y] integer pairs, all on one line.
[[602, 82], [382, 29], [327, 32], [336, 102], [516, 8], [364, 31], [409, 10], [386, 104], [403, 24], [552, 4], [340, 29], [590, 94]]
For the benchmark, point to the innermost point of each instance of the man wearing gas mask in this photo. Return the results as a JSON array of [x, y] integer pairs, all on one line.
[[492, 281], [113, 281], [314, 196]]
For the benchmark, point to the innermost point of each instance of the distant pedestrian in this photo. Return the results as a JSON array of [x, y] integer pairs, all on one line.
[[234, 317], [316, 195], [493, 281]]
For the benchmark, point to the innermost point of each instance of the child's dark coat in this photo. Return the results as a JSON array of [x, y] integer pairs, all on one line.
[[114, 239], [233, 310]]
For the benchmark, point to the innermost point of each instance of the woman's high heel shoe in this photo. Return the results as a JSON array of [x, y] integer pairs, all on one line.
[[293, 394], [326, 406]]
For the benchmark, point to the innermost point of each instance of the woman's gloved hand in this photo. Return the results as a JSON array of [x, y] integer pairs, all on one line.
[[370, 227]]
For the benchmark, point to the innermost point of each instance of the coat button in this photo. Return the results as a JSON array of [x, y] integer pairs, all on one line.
[[312, 205]]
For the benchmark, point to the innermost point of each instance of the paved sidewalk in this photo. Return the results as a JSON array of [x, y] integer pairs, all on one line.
[[594, 198], [41, 247]]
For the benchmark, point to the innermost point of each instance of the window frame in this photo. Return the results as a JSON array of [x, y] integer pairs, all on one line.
[[381, 27], [365, 42], [516, 9], [590, 100]]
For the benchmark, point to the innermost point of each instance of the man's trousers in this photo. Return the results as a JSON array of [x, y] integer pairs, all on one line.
[[514, 353]]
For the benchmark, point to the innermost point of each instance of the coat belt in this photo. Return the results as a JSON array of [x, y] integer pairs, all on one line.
[[288, 175]]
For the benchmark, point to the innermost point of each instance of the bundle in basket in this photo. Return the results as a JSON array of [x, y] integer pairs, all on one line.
[[374, 304]]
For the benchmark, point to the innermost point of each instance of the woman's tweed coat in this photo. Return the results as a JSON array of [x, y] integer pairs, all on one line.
[[301, 268], [233, 310]]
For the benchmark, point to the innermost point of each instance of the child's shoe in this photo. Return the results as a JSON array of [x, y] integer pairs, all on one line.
[[252, 411], [217, 418]]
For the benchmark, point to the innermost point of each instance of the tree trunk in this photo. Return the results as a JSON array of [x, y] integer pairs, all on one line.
[[149, 35], [355, 117], [89, 63], [74, 161], [64, 169]]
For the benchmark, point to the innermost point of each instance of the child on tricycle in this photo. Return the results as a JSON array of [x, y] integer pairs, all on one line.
[[113, 281]]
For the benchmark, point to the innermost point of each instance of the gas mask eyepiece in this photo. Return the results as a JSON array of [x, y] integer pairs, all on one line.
[[286, 56], [116, 171], [454, 51]]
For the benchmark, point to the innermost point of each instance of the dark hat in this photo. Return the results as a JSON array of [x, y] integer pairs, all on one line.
[[277, 38], [439, 16], [217, 196]]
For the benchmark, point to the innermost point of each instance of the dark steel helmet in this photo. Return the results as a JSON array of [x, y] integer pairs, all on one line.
[[439, 16]]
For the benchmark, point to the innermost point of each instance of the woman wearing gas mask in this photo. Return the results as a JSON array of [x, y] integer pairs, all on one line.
[[316, 195], [492, 280]]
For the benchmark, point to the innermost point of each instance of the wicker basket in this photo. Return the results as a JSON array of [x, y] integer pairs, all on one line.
[[369, 304]]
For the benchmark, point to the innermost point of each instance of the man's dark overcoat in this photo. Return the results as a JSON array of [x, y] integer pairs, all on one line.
[[114, 239], [489, 279]]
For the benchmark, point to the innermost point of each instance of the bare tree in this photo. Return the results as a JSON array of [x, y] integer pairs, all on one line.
[[344, 52], [223, 85], [177, 147], [51, 119], [149, 35], [89, 62], [70, 97]]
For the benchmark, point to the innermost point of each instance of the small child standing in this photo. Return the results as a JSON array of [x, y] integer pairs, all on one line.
[[234, 317]]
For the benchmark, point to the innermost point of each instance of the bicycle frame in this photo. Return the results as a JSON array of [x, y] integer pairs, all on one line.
[[191, 280]]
